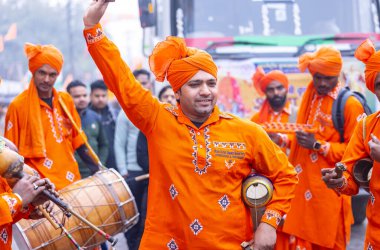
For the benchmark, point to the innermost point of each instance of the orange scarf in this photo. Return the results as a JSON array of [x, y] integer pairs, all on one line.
[[366, 53], [32, 142], [171, 59]]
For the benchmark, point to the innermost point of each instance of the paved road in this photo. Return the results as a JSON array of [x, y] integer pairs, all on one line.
[[357, 236]]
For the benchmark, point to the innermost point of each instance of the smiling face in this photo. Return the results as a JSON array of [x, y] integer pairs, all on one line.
[[198, 96], [44, 79], [324, 84]]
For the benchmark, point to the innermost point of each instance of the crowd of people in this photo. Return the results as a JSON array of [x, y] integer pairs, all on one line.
[[196, 155]]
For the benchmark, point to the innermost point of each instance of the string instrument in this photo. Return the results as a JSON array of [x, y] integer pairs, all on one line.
[[287, 128]]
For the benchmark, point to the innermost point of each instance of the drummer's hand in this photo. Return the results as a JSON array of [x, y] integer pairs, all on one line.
[[374, 146], [48, 185], [305, 139], [329, 177], [94, 13], [25, 187], [265, 237]]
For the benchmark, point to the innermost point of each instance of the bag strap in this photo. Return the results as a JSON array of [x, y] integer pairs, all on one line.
[[338, 111]]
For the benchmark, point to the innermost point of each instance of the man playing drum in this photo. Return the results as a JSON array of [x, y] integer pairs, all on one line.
[[199, 155], [19, 202], [364, 143], [37, 124]]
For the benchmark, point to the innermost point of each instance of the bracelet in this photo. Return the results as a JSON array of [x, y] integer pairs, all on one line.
[[18, 196]]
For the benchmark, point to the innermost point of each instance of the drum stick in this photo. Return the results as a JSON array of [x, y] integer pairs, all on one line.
[[91, 152], [138, 178], [108, 237], [47, 216], [46, 193], [54, 221]]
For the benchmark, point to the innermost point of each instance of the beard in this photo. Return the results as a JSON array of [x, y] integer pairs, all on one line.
[[277, 101]]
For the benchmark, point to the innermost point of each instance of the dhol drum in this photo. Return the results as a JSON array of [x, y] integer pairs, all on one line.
[[104, 199]]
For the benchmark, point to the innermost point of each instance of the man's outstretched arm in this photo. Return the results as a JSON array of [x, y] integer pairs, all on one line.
[[137, 102]]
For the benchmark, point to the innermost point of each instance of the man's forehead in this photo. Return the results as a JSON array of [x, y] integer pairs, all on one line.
[[48, 69], [274, 84], [202, 76]]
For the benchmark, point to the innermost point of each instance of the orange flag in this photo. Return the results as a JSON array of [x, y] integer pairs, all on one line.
[[12, 32]]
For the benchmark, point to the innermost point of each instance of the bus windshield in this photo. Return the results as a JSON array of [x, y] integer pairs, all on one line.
[[226, 18]]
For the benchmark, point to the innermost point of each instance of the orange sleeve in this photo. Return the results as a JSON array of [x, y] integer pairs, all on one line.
[[10, 205], [271, 161], [136, 101], [333, 151], [77, 140], [255, 117], [12, 125], [354, 152]]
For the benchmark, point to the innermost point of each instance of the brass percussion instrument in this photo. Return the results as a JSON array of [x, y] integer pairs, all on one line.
[[362, 172], [257, 191]]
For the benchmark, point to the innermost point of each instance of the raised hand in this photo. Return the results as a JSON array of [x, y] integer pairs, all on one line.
[[94, 13]]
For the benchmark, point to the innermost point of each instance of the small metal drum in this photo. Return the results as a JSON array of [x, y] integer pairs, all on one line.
[[362, 172], [257, 191]]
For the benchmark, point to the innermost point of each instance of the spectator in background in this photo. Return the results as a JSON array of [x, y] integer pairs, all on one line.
[[91, 125], [125, 151], [99, 104]]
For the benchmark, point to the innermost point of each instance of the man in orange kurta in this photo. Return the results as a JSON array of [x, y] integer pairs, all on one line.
[[364, 143], [198, 155], [37, 124], [17, 203], [319, 217], [276, 107]]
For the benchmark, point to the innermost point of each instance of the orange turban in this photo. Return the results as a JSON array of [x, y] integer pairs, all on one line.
[[366, 53], [39, 55], [326, 61], [262, 80], [178, 63]]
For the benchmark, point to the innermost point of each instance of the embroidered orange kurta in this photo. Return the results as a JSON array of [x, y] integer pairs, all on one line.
[[318, 213], [195, 173], [61, 139], [10, 212], [358, 149]]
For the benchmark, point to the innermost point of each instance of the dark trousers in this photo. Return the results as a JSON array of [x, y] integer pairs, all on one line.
[[139, 190]]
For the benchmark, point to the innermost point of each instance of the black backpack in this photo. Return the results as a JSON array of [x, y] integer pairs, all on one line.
[[338, 108]]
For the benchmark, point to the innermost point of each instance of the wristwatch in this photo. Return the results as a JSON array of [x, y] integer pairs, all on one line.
[[317, 145]]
